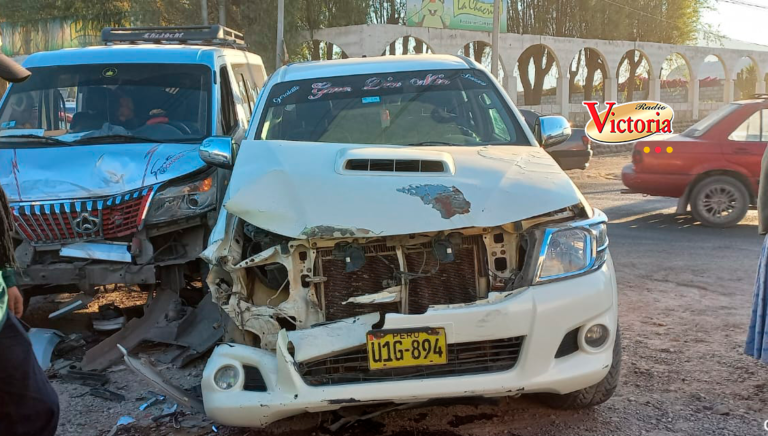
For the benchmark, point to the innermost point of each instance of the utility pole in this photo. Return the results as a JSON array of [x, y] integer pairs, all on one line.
[[223, 12], [280, 40], [204, 7], [495, 39]]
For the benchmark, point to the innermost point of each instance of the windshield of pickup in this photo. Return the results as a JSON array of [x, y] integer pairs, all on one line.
[[446, 107], [164, 102]]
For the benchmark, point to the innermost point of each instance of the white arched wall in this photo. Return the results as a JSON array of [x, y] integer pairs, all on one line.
[[368, 39]]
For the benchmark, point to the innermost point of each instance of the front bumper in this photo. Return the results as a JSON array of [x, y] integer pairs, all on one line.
[[543, 314]]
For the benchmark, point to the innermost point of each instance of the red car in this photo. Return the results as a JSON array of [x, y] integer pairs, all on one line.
[[714, 165]]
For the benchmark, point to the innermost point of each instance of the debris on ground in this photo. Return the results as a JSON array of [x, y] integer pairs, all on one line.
[[154, 398], [124, 420], [109, 318], [107, 394], [85, 378]]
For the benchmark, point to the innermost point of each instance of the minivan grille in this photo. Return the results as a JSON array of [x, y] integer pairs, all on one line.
[[81, 220]]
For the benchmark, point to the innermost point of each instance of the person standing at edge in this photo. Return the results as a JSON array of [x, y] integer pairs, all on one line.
[[28, 404], [757, 339]]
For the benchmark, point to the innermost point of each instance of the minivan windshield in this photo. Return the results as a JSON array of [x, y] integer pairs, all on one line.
[[445, 107], [116, 102]]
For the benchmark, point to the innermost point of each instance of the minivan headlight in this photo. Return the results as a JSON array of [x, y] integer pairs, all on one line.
[[184, 200], [573, 249]]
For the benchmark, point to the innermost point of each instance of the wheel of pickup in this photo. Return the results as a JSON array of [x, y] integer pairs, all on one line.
[[593, 395], [719, 201]]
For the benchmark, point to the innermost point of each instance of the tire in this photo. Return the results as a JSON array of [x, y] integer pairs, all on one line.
[[719, 201], [593, 395]]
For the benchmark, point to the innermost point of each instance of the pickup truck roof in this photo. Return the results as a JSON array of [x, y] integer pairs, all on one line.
[[379, 64]]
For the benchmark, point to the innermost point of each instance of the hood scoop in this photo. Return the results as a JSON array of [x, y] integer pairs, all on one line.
[[392, 160]]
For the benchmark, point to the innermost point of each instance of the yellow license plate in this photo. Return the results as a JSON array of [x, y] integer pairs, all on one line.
[[409, 347]]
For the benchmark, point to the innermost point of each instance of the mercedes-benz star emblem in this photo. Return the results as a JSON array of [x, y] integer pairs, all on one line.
[[86, 223]]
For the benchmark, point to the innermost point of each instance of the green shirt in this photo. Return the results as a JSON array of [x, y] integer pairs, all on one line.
[[7, 278]]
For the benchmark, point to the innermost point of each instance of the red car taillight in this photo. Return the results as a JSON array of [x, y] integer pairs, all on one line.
[[585, 141], [637, 156]]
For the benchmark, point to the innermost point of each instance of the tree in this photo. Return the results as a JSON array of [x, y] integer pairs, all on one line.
[[746, 81]]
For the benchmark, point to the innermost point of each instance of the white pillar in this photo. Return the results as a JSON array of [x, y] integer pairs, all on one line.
[[727, 90], [563, 95], [693, 98], [611, 89], [760, 87], [512, 89], [654, 93]]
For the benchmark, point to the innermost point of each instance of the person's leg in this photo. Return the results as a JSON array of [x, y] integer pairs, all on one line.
[[28, 404]]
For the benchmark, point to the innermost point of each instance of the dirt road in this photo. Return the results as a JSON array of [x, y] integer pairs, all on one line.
[[685, 296]]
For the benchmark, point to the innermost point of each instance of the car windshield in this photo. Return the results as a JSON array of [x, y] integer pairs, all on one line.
[[163, 102], [451, 107], [710, 120]]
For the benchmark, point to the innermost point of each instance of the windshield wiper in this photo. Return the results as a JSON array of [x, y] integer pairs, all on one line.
[[435, 143], [48, 139], [124, 139]]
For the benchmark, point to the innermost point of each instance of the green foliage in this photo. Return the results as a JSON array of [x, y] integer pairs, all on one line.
[[746, 82]]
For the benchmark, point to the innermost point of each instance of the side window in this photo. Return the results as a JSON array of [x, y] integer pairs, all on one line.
[[247, 86], [228, 119], [749, 130]]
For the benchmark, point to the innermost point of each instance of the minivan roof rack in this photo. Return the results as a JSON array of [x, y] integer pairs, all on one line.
[[214, 35]]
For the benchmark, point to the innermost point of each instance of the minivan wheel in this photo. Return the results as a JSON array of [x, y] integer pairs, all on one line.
[[719, 201], [593, 395]]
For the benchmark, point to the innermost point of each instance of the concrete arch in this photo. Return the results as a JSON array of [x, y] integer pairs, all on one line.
[[711, 81], [316, 49], [720, 60], [590, 63], [398, 43], [629, 89], [534, 82]]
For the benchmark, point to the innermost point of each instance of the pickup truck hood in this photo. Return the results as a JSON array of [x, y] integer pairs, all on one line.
[[308, 190], [88, 171]]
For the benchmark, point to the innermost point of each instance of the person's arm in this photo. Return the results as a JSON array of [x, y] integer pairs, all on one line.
[[762, 196]]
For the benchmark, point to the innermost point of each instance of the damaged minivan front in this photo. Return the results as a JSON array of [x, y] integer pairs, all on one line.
[[392, 232]]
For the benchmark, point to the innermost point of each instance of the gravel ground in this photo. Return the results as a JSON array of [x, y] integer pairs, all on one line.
[[685, 297]]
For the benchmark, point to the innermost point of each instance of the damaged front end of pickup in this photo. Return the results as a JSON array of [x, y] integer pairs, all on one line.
[[266, 282]]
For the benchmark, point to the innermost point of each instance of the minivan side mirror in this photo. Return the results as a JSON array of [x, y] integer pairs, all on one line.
[[218, 151], [552, 130]]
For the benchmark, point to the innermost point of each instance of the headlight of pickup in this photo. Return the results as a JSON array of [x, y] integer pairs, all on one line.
[[572, 249], [183, 200]]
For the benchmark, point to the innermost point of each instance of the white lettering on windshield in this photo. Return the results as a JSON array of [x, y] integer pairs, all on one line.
[[377, 83], [322, 88], [473, 78], [279, 99], [431, 79]]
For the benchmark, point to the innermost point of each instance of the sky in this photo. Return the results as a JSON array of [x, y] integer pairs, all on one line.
[[740, 22]]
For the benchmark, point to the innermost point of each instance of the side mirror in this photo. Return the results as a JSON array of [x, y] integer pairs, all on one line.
[[218, 151], [552, 130]]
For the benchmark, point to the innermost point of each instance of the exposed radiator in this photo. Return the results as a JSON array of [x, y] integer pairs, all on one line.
[[447, 283]]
